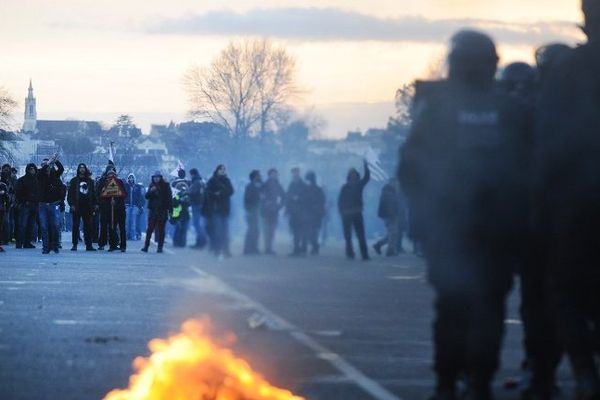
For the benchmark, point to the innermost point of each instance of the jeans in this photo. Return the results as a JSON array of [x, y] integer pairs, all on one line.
[[88, 218], [133, 222], [356, 221], [198, 222], [49, 223], [180, 233], [157, 226], [220, 234], [27, 217]]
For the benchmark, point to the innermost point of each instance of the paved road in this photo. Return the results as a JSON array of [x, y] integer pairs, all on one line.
[[71, 324]]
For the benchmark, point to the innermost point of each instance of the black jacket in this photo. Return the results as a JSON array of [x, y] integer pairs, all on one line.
[[52, 190], [105, 203], [351, 195], [135, 193], [252, 197], [161, 199], [274, 197], [218, 196], [4, 197], [295, 199], [77, 198], [315, 203], [197, 192], [27, 190]]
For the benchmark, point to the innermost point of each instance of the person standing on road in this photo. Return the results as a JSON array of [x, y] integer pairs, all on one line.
[[6, 176], [159, 198], [315, 203], [197, 194], [134, 205], [112, 213], [462, 170], [253, 196], [217, 208], [180, 215], [52, 193], [391, 211], [4, 206], [273, 202], [296, 208], [350, 205], [27, 201], [82, 202]]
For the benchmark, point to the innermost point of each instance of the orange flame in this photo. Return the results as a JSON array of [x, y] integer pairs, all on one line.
[[190, 366]]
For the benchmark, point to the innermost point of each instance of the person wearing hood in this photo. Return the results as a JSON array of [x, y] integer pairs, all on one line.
[[180, 215], [134, 205], [181, 177], [253, 197], [392, 211], [112, 214], [315, 202], [160, 205], [27, 194], [273, 202], [4, 206], [10, 181], [52, 194], [197, 196], [350, 205], [295, 208], [81, 198], [217, 208]]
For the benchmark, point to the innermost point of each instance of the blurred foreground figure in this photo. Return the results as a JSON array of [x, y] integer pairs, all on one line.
[[568, 198], [461, 169]]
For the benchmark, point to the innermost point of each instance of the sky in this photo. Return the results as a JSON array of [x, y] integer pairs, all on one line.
[[98, 59]]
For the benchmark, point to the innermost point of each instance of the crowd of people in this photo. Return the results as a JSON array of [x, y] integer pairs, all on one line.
[[107, 212], [502, 180]]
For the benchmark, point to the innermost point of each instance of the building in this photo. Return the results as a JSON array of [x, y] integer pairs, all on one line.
[[49, 129]]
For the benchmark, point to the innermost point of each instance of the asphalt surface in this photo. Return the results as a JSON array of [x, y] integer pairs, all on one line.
[[328, 328]]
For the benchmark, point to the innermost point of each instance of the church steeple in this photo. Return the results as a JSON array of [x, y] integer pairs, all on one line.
[[30, 121]]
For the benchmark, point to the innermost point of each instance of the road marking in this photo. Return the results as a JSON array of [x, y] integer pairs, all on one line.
[[350, 372], [513, 322], [406, 278]]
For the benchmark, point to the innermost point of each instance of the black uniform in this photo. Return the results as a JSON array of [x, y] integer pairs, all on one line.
[[461, 169], [568, 201]]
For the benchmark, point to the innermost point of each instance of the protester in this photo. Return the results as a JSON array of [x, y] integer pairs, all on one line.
[[295, 207], [159, 198], [350, 205], [197, 194], [27, 200], [181, 214], [134, 205], [315, 203], [273, 202], [391, 211], [217, 208], [81, 198], [7, 177], [4, 207], [52, 193], [112, 212], [252, 204]]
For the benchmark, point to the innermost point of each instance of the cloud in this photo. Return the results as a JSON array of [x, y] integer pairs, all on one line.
[[331, 24]]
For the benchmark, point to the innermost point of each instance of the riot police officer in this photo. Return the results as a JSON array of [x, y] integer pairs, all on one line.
[[567, 194], [461, 170]]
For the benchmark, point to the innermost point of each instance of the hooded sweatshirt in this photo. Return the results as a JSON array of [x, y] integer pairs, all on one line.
[[28, 189], [135, 193], [82, 193]]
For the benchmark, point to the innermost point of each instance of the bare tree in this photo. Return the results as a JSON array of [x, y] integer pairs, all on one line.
[[7, 106], [244, 88]]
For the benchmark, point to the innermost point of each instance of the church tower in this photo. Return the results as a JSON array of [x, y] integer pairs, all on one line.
[[30, 122]]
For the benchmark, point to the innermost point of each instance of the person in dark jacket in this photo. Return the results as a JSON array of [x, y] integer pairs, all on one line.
[[392, 211], [180, 215], [197, 194], [52, 193], [134, 205], [82, 202], [160, 205], [217, 208], [295, 207], [252, 204], [350, 206], [315, 203], [112, 213], [7, 177], [4, 206], [566, 198], [27, 201], [273, 202]]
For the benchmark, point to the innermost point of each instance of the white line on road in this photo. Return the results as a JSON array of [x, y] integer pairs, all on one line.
[[343, 366]]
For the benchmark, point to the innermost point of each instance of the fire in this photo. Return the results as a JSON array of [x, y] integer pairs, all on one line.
[[191, 366]]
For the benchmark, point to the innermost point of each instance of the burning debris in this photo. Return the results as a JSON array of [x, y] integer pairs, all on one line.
[[190, 365]]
